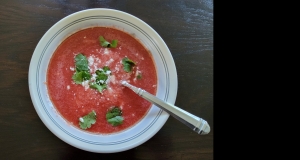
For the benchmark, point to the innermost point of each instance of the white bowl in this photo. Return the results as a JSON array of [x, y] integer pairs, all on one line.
[[130, 138]]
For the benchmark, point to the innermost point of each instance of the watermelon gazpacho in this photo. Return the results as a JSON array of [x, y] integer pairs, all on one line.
[[84, 78]]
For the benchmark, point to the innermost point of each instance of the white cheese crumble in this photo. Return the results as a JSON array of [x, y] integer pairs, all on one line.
[[72, 68], [109, 61], [106, 51], [109, 91], [117, 68], [81, 120], [85, 84], [68, 87], [93, 78], [91, 60], [112, 79], [98, 60]]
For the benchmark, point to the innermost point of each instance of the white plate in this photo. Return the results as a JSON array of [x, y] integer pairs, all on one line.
[[142, 131]]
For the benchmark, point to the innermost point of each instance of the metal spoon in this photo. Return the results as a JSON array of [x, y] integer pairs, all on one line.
[[197, 124]]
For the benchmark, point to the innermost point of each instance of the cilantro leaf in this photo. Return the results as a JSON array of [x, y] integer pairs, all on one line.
[[106, 68], [86, 121], [100, 88], [127, 64], [114, 111], [82, 69], [81, 76], [81, 63], [105, 43], [116, 121], [114, 43], [77, 77], [101, 78], [114, 116]]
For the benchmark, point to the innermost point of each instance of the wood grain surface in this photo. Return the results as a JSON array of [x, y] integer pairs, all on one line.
[[185, 26]]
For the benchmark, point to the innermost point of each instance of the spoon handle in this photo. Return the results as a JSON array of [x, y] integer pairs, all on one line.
[[197, 124]]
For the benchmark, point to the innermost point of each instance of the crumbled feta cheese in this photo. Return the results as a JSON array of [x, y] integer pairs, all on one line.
[[91, 60], [117, 68], [81, 120], [93, 78], [110, 90], [109, 62], [85, 84], [72, 68], [68, 87], [106, 51], [108, 72], [98, 60], [112, 79]]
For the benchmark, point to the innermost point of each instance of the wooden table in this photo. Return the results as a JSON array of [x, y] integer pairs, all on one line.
[[185, 26]]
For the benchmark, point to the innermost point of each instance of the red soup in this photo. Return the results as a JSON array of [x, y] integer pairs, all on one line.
[[74, 100]]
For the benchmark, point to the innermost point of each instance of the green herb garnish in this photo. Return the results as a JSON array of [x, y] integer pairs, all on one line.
[[81, 76], [82, 69], [105, 43], [116, 120], [87, 120], [101, 79], [81, 62], [127, 64], [114, 116], [100, 88]]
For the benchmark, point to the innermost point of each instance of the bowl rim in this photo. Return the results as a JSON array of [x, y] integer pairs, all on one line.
[[141, 25]]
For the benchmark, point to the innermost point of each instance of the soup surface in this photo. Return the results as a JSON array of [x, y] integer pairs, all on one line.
[[75, 100]]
